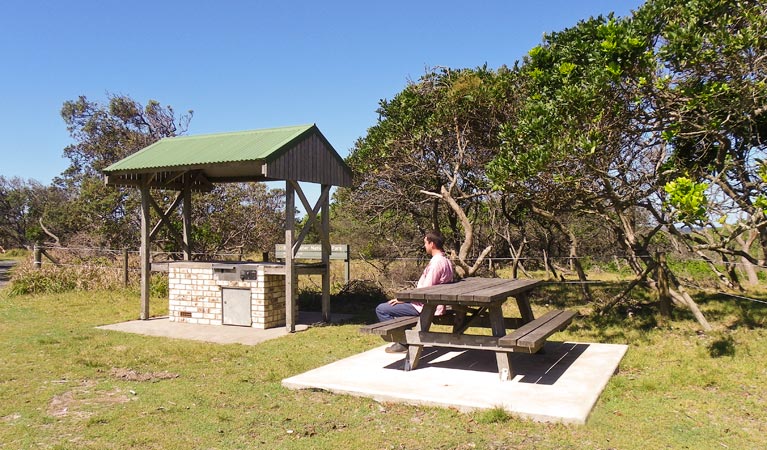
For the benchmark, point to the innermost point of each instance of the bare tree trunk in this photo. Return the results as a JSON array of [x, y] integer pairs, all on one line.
[[548, 265], [516, 255], [573, 249], [726, 282], [575, 262], [678, 295], [683, 297], [748, 267], [460, 259], [56, 240], [732, 274]]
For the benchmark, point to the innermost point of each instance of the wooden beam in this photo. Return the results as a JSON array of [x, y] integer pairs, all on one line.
[[164, 215], [186, 219], [146, 266], [164, 218], [325, 236], [312, 213], [291, 278]]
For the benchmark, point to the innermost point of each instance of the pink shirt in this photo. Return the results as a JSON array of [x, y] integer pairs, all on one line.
[[438, 271]]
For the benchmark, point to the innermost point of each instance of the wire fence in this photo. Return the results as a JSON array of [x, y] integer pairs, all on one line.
[[127, 262], [164, 257]]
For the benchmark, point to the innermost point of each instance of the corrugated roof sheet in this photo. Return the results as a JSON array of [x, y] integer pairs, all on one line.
[[210, 149]]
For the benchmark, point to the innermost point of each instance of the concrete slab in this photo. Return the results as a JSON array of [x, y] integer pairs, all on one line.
[[219, 334], [561, 385]]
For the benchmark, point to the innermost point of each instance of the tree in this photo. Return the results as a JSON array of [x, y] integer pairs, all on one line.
[[575, 146], [712, 92], [231, 218], [103, 134], [425, 157], [245, 217], [619, 112], [21, 205]]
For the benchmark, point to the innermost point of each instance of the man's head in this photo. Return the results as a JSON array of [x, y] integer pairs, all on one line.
[[433, 242]]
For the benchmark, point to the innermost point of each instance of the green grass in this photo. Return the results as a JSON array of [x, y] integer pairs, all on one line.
[[66, 385]]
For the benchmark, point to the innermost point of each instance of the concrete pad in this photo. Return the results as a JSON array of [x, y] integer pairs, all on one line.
[[219, 334], [561, 385]]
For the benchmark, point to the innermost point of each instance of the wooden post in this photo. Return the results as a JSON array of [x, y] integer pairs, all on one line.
[[326, 254], [38, 257], [146, 264], [186, 213], [125, 267], [663, 292], [348, 271], [291, 280]]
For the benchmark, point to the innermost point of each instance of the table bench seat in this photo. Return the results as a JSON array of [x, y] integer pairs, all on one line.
[[392, 330], [531, 336]]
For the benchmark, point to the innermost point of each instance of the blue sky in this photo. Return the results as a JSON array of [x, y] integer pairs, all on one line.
[[243, 65]]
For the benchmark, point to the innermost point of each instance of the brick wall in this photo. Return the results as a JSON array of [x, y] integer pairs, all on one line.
[[195, 296]]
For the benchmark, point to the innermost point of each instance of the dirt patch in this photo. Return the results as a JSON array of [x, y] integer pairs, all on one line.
[[81, 401], [132, 375]]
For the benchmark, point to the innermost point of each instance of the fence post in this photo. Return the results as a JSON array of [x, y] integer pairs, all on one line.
[[38, 256], [125, 267], [663, 294]]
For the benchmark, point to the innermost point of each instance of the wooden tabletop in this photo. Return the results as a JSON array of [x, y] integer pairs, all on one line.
[[469, 290]]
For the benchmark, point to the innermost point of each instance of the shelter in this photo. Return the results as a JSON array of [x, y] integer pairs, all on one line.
[[195, 163]]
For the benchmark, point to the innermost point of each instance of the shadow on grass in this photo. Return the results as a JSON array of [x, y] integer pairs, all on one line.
[[735, 310], [358, 298], [636, 315], [724, 346]]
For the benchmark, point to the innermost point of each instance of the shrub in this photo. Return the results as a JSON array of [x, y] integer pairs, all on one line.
[[51, 279], [15, 253]]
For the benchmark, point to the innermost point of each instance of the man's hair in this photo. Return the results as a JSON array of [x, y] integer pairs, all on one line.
[[435, 237]]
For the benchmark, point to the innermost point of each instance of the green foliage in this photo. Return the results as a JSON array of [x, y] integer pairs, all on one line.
[[158, 285], [236, 217], [422, 164], [688, 198], [692, 269], [104, 134], [22, 203]]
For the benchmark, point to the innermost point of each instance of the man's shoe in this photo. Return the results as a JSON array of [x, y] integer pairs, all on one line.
[[396, 348]]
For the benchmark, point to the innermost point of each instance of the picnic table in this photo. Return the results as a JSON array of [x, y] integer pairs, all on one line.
[[473, 302]]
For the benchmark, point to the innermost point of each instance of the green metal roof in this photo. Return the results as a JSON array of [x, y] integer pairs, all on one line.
[[299, 153], [186, 151]]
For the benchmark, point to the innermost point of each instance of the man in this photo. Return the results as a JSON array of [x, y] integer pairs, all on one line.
[[438, 271]]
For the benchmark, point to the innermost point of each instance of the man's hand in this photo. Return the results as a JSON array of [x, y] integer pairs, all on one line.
[[394, 301]]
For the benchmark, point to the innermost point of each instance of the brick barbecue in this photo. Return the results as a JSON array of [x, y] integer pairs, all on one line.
[[227, 293]]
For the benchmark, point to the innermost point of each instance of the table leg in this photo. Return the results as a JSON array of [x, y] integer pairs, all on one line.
[[503, 359], [523, 302], [424, 323], [413, 355], [504, 366]]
